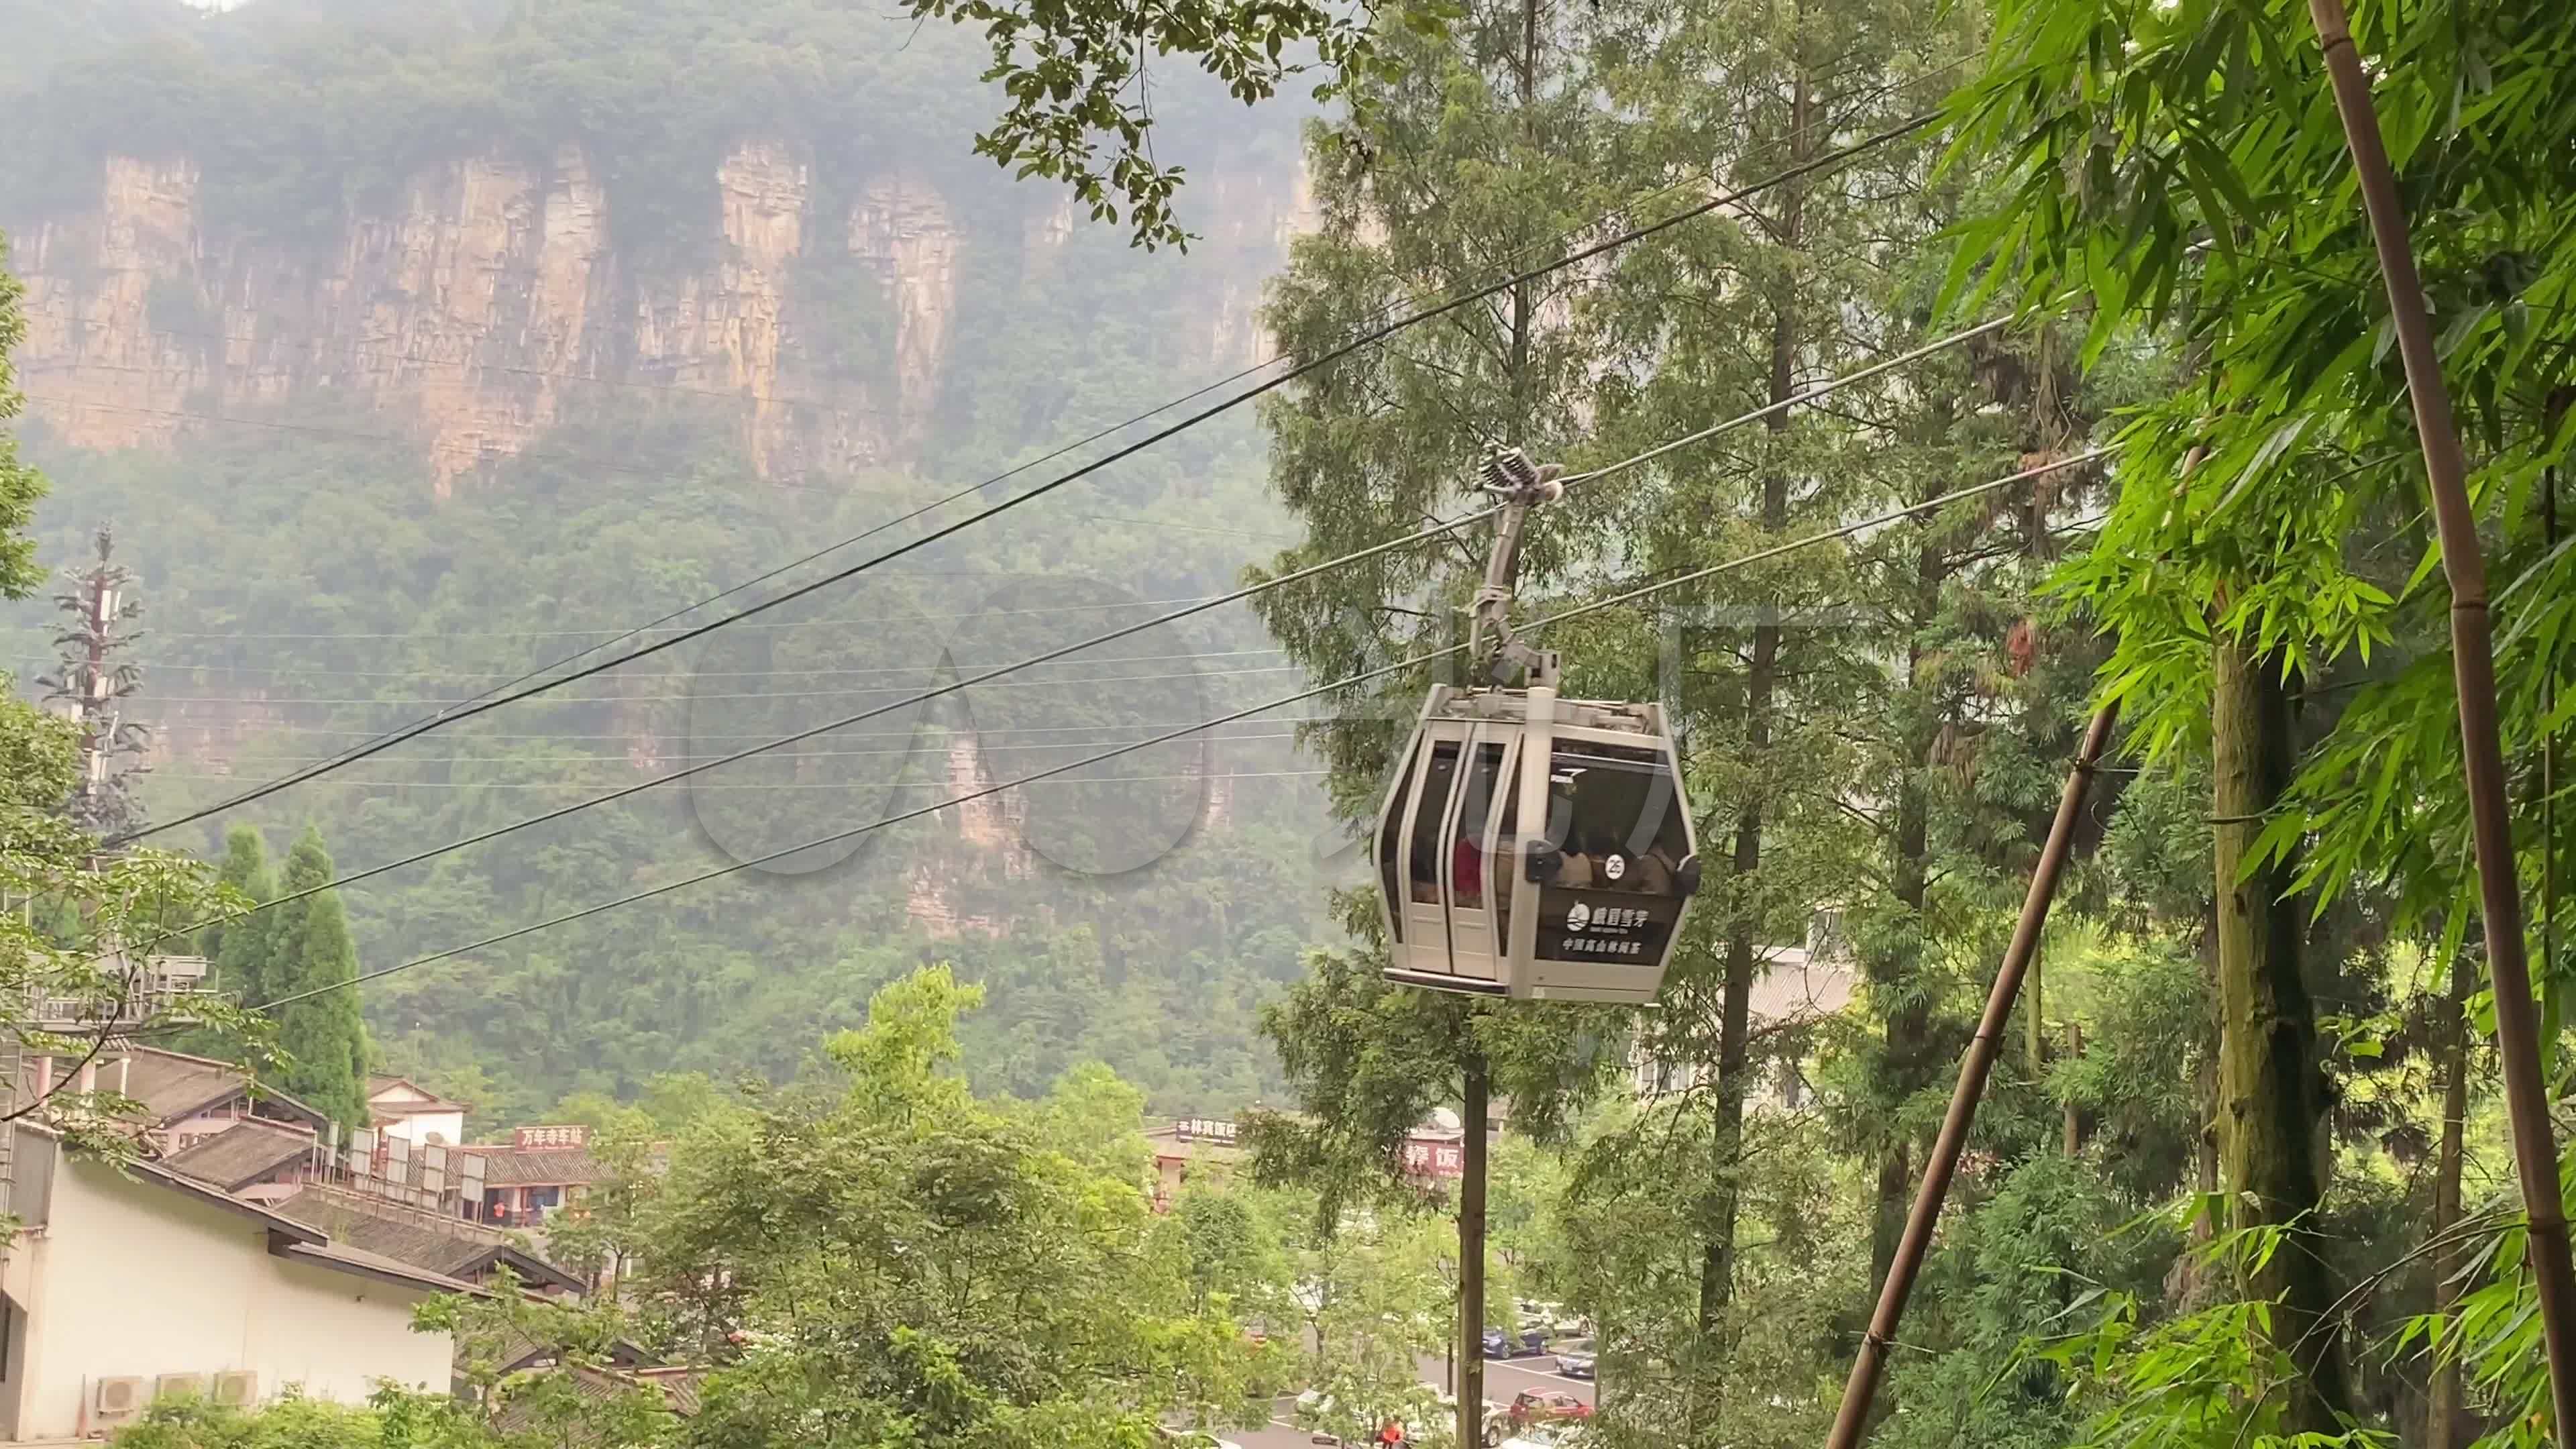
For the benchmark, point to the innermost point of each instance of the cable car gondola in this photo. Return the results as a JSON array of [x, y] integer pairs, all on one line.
[[1587, 906]]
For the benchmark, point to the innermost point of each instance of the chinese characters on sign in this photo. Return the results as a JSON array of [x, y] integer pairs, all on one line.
[[575, 1136], [1590, 946], [1203, 1129], [1435, 1159], [1590, 929]]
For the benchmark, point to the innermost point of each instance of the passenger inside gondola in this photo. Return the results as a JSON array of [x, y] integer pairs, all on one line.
[[1574, 870], [1426, 823], [1467, 874], [1655, 871], [1621, 824]]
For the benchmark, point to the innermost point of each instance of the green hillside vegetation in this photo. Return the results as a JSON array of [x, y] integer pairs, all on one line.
[[308, 565], [295, 113]]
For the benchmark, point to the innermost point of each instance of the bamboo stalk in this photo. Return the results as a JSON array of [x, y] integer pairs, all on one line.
[[2473, 670], [1851, 1421]]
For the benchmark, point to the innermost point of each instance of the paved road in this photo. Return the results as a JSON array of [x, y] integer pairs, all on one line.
[[1507, 1377], [1503, 1379]]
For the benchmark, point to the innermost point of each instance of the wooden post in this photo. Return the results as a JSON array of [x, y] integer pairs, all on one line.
[[2535, 1153], [1852, 1420], [1474, 1107]]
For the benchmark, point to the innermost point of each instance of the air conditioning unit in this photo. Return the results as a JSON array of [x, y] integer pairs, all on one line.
[[237, 1389], [179, 1386], [115, 1398]]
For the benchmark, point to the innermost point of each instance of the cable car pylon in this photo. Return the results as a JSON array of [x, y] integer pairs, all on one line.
[[1586, 905]]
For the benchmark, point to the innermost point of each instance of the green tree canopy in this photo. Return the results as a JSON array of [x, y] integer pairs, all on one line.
[[883, 1257], [309, 950]]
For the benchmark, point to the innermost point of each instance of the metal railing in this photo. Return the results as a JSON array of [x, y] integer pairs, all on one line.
[[162, 991]]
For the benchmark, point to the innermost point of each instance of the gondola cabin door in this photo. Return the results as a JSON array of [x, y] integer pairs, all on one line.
[[1438, 849]]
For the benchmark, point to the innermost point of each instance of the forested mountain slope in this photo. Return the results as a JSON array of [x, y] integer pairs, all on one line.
[[408, 351]]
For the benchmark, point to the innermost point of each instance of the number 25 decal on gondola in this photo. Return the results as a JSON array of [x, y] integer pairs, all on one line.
[[1533, 846]]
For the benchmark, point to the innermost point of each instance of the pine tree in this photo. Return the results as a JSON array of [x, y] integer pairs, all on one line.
[[308, 948], [1479, 146], [237, 947]]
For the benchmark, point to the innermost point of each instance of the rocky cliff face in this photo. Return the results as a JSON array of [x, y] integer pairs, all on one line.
[[489, 303]]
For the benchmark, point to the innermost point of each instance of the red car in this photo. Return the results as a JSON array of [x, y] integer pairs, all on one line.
[[1538, 1405]]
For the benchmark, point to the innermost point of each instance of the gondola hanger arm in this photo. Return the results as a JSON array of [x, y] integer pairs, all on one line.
[[1508, 476]]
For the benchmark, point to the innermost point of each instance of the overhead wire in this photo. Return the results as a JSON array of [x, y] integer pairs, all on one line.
[[584, 633], [182, 667], [513, 694], [952, 687], [815, 787], [1411, 662], [766, 694], [619, 759], [1437, 528], [694, 735]]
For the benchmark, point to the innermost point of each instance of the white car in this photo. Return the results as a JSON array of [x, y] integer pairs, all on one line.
[[1316, 1408]]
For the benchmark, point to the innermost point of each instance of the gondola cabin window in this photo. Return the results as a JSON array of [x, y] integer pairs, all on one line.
[[1617, 818]]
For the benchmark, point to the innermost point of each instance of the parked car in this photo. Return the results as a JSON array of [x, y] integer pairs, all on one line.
[[1564, 1434], [1528, 1341], [1576, 1360], [1545, 1405], [1329, 1422], [1196, 1439]]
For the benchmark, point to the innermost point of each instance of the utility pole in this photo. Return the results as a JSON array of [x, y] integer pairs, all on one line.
[[1860, 1391], [88, 685], [91, 683]]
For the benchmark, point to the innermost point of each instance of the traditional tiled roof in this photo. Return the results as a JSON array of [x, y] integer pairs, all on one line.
[[678, 1389], [279, 1226], [428, 1101], [173, 1085], [370, 1265], [243, 1154], [437, 1245], [538, 1167]]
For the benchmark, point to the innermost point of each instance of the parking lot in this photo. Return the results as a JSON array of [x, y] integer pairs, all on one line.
[[1503, 1380]]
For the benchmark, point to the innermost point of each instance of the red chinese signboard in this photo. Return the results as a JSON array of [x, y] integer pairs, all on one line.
[[1435, 1159]]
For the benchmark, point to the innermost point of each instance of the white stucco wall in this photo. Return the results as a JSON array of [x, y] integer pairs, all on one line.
[[136, 1278], [450, 1127]]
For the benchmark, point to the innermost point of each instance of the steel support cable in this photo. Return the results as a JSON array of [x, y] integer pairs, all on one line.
[[1400, 666], [1377, 334], [1741, 420], [952, 687]]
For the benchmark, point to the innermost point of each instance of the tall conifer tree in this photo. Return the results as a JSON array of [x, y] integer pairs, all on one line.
[[309, 949]]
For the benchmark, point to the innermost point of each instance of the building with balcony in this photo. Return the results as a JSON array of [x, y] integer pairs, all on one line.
[[538, 1172]]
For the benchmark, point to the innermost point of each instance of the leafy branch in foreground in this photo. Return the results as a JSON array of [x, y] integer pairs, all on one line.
[[1078, 77]]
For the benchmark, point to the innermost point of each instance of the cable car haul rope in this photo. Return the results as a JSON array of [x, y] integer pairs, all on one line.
[[1585, 903]]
